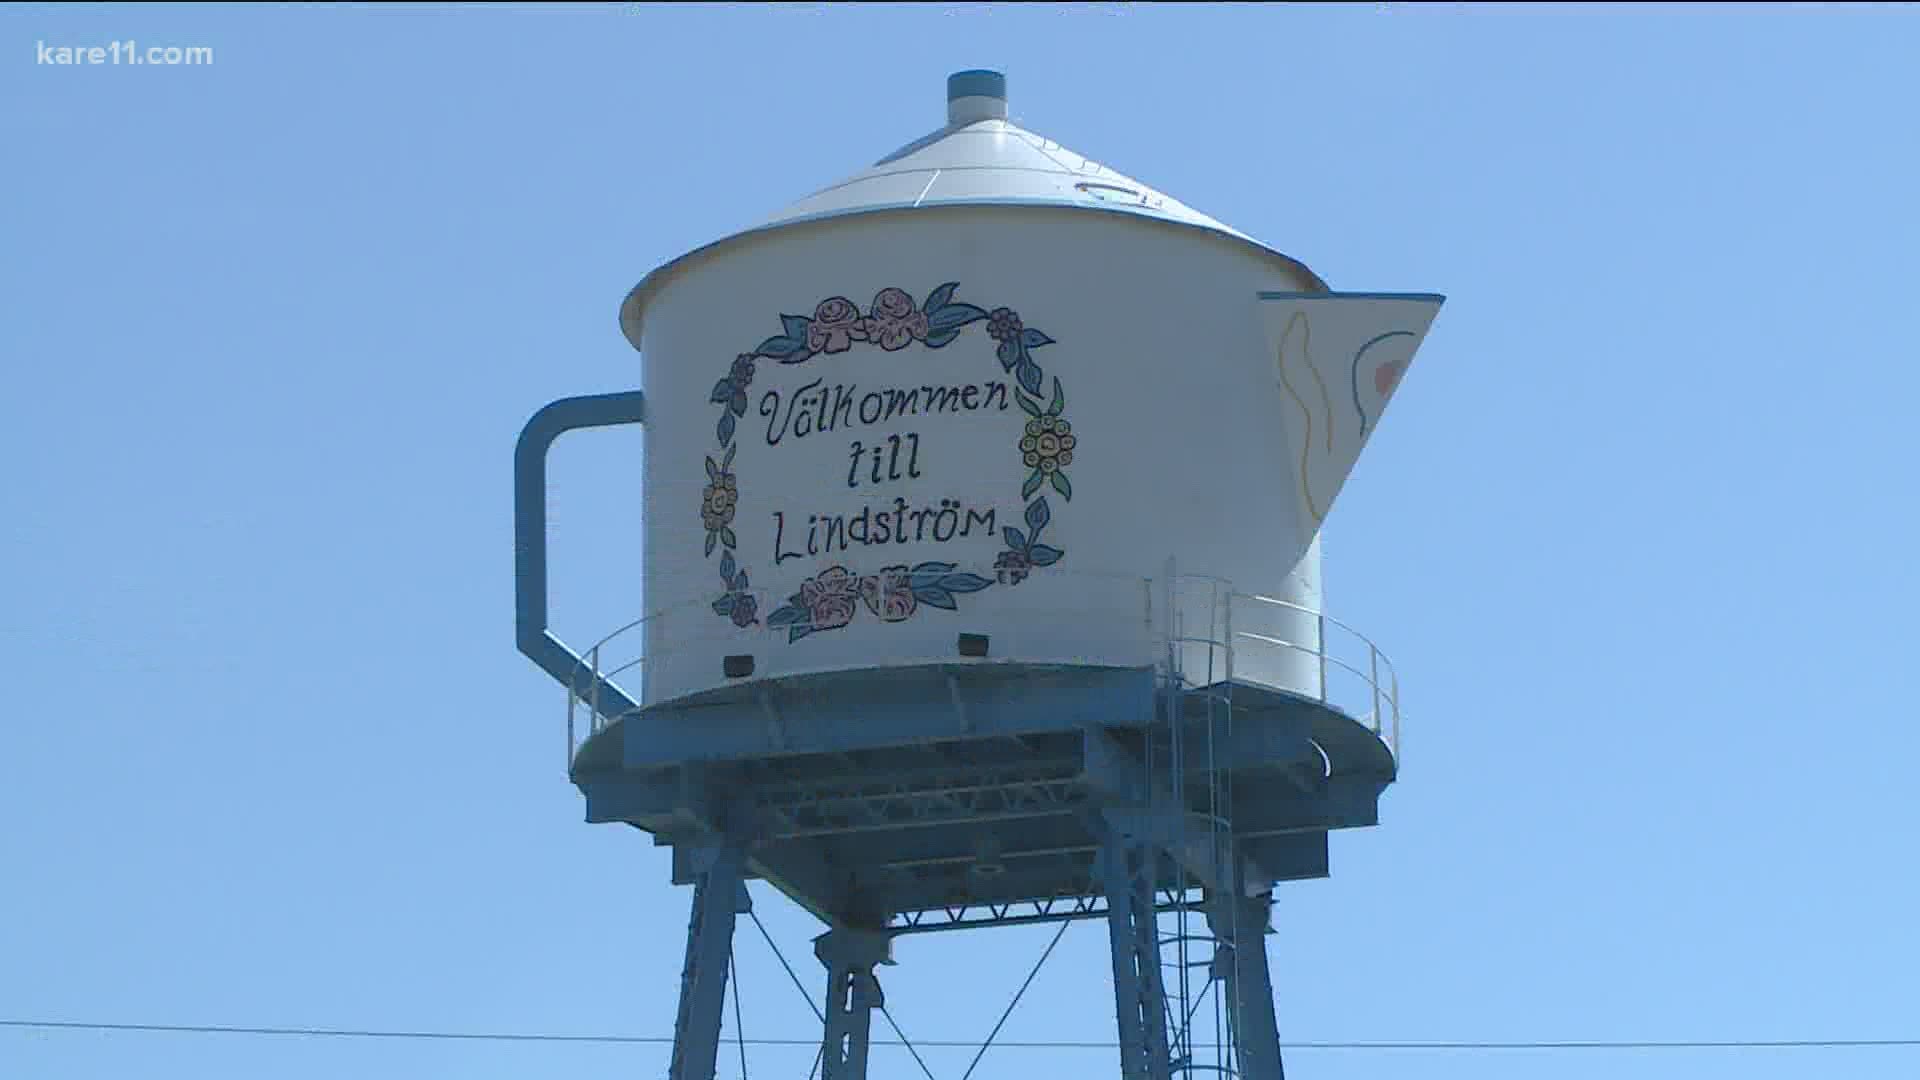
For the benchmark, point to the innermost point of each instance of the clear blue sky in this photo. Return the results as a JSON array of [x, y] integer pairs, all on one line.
[[1633, 531]]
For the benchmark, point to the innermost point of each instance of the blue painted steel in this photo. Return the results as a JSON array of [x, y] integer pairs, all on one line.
[[718, 897], [976, 83], [852, 994], [1298, 856], [530, 535], [1127, 871], [1240, 925]]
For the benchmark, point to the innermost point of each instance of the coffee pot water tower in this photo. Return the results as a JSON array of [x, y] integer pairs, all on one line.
[[982, 493]]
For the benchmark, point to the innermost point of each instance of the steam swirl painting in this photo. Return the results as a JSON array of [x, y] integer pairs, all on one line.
[[1338, 358]]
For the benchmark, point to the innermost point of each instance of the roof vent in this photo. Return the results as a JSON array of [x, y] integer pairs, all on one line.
[[973, 96]]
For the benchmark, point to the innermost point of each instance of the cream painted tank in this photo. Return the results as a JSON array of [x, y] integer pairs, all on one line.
[[988, 387]]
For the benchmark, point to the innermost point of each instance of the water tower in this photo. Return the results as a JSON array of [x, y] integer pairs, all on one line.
[[982, 493]]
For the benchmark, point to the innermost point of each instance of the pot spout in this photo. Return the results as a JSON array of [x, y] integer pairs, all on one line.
[[1338, 357]]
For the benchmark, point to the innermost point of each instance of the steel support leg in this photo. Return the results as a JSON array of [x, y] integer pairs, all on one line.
[[719, 894], [852, 994], [1240, 925], [1127, 865]]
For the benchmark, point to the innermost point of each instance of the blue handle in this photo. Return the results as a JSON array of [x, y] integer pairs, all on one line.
[[530, 536]]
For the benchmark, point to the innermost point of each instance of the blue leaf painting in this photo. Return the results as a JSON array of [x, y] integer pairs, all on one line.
[[724, 605], [964, 583], [1009, 354], [1033, 339], [722, 390], [796, 327], [1033, 484], [953, 316], [739, 403], [938, 298], [713, 471], [941, 338], [1042, 555], [777, 347], [1061, 485], [935, 596], [927, 574], [1038, 515], [726, 428], [1030, 376], [785, 616], [1015, 539], [712, 539], [727, 567]]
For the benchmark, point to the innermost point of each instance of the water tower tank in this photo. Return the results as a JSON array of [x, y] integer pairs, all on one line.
[[985, 446], [886, 406]]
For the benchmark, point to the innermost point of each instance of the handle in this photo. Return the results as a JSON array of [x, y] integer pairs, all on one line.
[[530, 537]]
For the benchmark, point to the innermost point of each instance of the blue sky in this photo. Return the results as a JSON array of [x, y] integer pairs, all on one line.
[[1633, 531]]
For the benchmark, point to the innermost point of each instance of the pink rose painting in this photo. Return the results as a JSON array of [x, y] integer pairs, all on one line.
[[896, 322], [889, 594], [836, 325], [829, 599]]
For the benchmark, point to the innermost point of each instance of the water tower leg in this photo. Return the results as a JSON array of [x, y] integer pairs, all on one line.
[[719, 894], [1240, 925], [1127, 865], [852, 994]]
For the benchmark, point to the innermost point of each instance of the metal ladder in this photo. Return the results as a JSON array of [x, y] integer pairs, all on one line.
[[1199, 636]]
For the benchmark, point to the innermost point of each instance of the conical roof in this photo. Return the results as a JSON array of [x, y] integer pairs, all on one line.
[[978, 158], [981, 157]]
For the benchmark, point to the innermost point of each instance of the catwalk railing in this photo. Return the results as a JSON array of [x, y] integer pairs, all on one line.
[[1332, 662]]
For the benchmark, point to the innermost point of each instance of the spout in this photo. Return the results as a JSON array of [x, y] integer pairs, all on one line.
[[1338, 358]]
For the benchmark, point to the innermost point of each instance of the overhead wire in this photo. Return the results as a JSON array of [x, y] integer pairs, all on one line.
[[1036, 1044]]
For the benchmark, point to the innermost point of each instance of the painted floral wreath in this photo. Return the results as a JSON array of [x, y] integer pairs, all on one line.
[[830, 599]]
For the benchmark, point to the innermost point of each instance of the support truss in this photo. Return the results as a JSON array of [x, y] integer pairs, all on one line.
[[978, 795], [853, 992], [1127, 870], [719, 894], [1022, 912], [1240, 925]]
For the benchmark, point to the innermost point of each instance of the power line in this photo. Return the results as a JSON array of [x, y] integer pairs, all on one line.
[[1048, 1044]]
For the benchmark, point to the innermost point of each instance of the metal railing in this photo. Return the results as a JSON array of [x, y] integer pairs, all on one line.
[[590, 676], [1382, 715], [1353, 676]]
